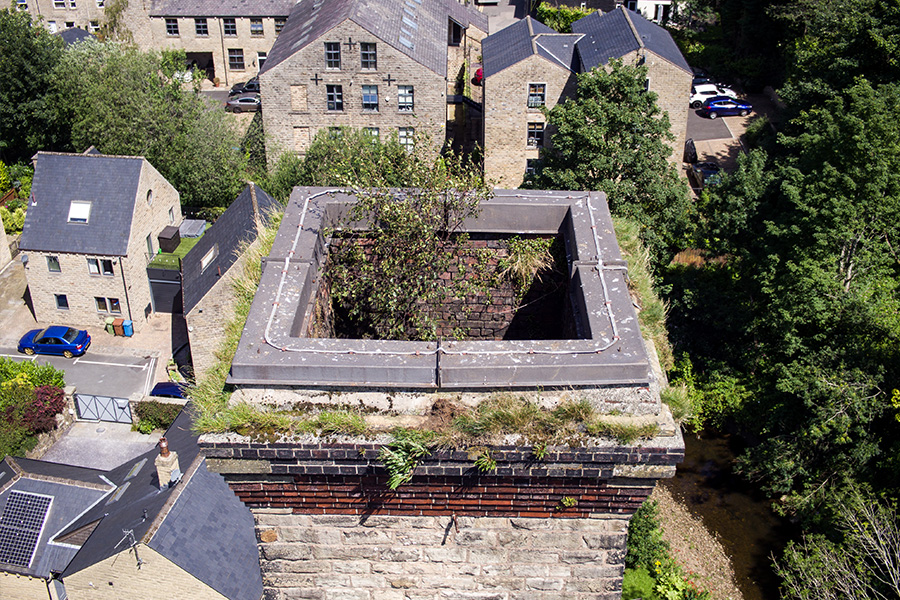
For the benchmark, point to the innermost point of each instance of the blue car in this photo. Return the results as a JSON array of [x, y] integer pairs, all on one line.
[[57, 339], [724, 106], [168, 389]]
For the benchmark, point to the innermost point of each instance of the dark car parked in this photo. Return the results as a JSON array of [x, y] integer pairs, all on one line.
[[56, 339], [724, 106], [168, 389], [249, 87], [704, 174]]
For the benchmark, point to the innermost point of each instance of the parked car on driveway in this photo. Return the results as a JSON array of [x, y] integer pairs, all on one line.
[[723, 106], [245, 103], [248, 87], [56, 339], [168, 389], [701, 93], [704, 174]]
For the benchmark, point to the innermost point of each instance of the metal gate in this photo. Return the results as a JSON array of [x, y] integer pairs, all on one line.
[[103, 408]]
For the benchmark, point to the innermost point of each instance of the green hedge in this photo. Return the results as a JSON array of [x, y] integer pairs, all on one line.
[[155, 415]]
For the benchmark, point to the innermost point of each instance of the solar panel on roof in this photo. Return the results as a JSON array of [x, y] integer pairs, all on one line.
[[21, 525]]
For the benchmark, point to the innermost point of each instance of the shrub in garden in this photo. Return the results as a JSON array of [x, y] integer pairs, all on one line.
[[40, 415], [155, 415]]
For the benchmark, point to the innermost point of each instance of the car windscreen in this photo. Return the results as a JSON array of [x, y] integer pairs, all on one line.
[[70, 335]]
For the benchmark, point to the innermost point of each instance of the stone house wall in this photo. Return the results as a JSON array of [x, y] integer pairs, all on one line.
[[128, 283], [217, 44], [5, 254], [118, 576], [296, 108], [24, 587], [207, 320], [63, 14], [673, 88], [507, 115]]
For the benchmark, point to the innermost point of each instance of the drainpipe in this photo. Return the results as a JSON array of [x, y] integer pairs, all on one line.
[[125, 287], [224, 55]]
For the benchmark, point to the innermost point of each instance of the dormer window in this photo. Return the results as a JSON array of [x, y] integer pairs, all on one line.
[[79, 211]]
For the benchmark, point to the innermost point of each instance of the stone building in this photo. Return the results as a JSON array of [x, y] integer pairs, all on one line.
[[229, 40], [530, 522], [91, 229], [58, 15], [528, 66], [79, 533], [210, 267], [382, 65]]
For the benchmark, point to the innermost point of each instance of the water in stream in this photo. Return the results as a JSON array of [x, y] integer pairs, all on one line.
[[742, 519]]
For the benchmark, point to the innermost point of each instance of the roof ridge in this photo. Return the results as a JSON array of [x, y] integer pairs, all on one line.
[[634, 30], [548, 51], [50, 153]]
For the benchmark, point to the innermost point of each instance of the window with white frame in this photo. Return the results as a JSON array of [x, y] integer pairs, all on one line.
[[79, 211], [256, 27], [171, 215], [172, 27], [405, 101], [406, 137], [98, 266], [209, 257], [59, 4], [53, 264], [370, 97], [537, 95], [368, 55], [373, 132], [101, 3], [236, 59], [229, 27], [201, 27], [535, 135], [72, 4], [62, 302], [261, 58], [23, 5], [95, 26], [334, 96], [51, 25], [333, 55]]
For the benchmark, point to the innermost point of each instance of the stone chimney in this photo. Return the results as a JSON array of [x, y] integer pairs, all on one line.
[[166, 464]]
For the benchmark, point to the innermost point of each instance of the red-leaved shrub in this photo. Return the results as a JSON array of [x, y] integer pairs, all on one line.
[[48, 402]]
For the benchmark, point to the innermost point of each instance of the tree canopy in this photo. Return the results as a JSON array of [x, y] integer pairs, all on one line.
[[28, 55], [612, 137]]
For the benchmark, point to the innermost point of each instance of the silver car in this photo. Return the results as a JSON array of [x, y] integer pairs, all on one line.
[[243, 103]]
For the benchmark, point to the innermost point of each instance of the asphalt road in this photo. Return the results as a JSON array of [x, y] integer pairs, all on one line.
[[98, 374], [700, 128]]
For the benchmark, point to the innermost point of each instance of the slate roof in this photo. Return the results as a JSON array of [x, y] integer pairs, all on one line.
[[210, 534], [233, 227], [198, 524], [74, 35], [595, 39], [611, 35], [221, 8], [109, 182], [417, 28]]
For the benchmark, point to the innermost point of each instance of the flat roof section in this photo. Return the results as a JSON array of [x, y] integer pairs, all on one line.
[[608, 350]]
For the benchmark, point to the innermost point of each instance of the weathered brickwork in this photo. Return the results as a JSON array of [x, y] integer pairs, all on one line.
[[331, 557], [296, 107], [507, 115], [5, 254], [119, 577], [128, 282], [328, 525], [216, 44]]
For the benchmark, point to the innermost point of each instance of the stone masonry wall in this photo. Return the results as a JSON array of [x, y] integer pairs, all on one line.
[[506, 116], [331, 557], [296, 107]]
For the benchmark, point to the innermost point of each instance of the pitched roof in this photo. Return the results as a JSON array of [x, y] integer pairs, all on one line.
[[221, 8], [615, 34], [417, 28], [109, 183], [231, 229], [73, 35], [596, 38]]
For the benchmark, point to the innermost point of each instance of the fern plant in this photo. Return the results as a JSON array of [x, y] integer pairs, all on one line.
[[401, 457]]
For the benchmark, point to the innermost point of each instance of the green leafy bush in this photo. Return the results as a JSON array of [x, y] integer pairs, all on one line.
[[638, 584], [30, 398], [154, 415], [38, 375]]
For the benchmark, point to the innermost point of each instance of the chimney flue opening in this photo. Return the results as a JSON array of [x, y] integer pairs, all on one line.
[[163, 446]]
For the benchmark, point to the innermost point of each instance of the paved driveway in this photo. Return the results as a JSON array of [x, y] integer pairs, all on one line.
[[99, 374]]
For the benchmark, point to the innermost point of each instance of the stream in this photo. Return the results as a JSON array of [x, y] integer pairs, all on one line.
[[733, 510]]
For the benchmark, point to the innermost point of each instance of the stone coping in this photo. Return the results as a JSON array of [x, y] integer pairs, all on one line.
[[610, 351]]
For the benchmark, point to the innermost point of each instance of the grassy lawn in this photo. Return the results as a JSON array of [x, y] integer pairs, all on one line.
[[172, 260]]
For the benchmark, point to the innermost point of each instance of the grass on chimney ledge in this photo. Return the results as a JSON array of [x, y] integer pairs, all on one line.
[[570, 423]]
